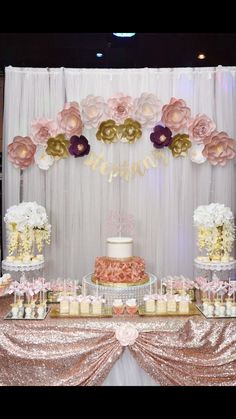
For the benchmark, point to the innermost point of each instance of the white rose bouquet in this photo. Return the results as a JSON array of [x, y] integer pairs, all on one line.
[[216, 231], [27, 223]]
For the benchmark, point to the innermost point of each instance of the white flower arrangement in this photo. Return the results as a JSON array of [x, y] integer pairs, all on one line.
[[27, 224], [216, 231]]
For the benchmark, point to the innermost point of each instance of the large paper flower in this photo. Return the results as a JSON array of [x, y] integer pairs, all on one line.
[[200, 127], [195, 153], [176, 114], [161, 137], [42, 159], [79, 146], [69, 120], [93, 109], [147, 109], [180, 144], [21, 152], [130, 131], [219, 148], [120, 107], [107, 132], [42, 130], [126, 334], [58, 147]]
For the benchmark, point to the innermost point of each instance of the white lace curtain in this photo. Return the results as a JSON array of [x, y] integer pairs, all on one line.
[[78, 199]]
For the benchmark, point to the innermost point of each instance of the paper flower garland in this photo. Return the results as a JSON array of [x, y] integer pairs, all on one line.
[[122, 118]]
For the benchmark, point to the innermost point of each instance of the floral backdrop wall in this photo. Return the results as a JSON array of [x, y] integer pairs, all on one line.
[[155, 143], [122, 118]]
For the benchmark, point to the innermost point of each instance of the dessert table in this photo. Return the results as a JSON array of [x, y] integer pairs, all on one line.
[[177, 351]]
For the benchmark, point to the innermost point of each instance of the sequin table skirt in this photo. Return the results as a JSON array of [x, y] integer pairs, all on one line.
[[183, 351]]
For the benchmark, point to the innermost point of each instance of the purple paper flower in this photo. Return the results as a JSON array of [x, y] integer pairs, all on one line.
[[79, 146], [161, 137]]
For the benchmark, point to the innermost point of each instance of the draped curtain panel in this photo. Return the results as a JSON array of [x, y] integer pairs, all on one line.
[[79, 199]]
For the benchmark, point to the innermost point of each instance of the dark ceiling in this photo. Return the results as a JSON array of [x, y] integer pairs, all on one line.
[[143, 50]]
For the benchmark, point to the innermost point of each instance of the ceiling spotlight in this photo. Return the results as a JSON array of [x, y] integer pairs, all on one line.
[[201, 56], [99, 54], [124, 35]]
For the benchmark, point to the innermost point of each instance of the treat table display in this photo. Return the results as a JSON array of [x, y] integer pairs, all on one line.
[[189, 351]]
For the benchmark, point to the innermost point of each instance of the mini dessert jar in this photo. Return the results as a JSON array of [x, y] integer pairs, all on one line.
[[131, 306], [118, 307]]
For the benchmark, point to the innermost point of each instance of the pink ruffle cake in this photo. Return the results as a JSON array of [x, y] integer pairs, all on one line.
[[130, 271]]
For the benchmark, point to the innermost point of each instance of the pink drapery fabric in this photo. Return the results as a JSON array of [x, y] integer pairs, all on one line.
[[62, 352], [198, 355]]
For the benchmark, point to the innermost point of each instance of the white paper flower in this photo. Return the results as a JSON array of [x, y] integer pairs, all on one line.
[[42, 159], [195, 153], [126, 334]]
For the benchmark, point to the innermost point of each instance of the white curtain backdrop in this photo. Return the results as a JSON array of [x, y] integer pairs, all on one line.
[[127, 372], [78, 199]]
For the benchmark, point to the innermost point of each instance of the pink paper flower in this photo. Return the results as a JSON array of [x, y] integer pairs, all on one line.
[[126, 334], [93, 109], [147, 109], [120, 107], [176, 114], [219, 148], [200, 127], [21, 152], [42, 130], [69, 120]]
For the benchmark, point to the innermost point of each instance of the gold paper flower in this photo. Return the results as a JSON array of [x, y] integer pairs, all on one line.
[[107, 132], [130, 131], [180, 144], [58, 147]]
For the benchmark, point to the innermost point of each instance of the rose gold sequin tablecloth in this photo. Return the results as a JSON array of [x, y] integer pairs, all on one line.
[[180, 351]]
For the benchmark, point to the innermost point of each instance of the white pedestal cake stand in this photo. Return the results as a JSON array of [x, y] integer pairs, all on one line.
[[111, 293], [30, 270], [222, 270]]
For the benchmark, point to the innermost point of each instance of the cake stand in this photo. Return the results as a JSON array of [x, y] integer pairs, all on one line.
[[124, 293], [223, 270], [30, 270]]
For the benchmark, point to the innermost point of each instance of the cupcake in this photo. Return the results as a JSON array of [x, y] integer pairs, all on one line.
[[131, 306], [118, 306]]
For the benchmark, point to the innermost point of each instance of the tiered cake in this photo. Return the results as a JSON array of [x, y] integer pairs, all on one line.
[[120, 267]]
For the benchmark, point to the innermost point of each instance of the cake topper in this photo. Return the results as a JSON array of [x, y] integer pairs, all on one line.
[[120, 223]]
